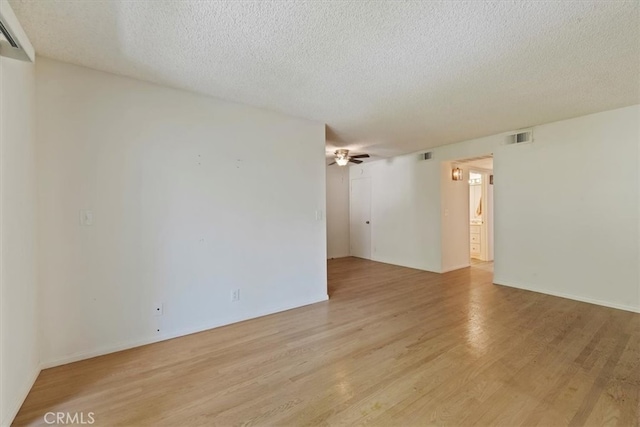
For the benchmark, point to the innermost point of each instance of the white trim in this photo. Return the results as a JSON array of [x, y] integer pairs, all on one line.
[[397, 263], [458, 267], [338, 256], [573, 297], [12, 411], [167, 336]]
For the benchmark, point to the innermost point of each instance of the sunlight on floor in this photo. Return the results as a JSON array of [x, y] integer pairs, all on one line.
[[482, 265]]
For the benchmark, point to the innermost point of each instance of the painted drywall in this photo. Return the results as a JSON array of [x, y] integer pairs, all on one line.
[[405, 211], [565, 208], [337, 212], [191, 197], [490, 229], [455, 219], [19, 337]]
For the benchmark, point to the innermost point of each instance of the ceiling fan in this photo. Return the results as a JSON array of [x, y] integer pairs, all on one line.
[[343, 157]]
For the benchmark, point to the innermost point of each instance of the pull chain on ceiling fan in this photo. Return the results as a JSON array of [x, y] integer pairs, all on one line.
[[343, 157]]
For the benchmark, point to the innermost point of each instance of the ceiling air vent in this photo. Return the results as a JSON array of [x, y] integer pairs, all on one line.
[[520, 137], [13, 40], [426, 156]]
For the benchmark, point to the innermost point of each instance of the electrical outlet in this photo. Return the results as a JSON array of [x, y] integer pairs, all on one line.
[[235, 295], [158, 309]]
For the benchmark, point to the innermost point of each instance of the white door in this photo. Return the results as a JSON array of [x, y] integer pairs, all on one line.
[[360, 217]]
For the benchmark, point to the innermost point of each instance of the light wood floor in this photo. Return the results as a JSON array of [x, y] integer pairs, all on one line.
[[393, 346]]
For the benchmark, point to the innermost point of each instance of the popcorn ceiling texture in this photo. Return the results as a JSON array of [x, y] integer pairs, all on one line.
[[386, 77]]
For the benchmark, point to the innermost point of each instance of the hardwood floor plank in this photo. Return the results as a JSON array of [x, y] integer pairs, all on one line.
[[392, 346]]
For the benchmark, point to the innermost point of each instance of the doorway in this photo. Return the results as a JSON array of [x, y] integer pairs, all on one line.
[[468, 236], [360, 217], [481, 214]]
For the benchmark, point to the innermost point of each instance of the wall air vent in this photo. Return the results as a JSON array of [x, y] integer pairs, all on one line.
[[5, 35], [520, 137], [13, 40], [426, 156]]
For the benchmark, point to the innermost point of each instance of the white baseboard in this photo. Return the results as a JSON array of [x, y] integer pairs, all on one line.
[[175, 334], [571, 297], [14, 407], [338, 256], [457, 267], [400, 264]]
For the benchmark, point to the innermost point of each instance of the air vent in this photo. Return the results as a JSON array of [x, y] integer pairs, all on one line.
[[520, 137], [5, 35], [426, 156], [13, 40]]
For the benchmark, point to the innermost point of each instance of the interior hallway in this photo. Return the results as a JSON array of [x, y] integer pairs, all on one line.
[[392, 346]]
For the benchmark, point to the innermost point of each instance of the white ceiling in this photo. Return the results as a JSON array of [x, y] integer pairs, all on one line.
[[386, 77]]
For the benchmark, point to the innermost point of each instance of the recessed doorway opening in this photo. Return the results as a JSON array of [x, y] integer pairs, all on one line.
[[468, 214]]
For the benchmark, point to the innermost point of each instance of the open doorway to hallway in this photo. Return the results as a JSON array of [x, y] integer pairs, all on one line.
[[469, 229]]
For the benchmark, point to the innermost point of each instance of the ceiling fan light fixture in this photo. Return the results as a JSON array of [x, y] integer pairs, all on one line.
[[342, 157]]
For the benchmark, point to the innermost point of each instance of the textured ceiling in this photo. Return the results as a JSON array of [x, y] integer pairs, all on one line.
[[386, 77]]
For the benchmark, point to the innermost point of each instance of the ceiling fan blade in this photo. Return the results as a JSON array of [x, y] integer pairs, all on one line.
[[332, 163], [357, 162], [360, 156]]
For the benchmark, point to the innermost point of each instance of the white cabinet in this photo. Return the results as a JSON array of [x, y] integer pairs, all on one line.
[[476, 241]]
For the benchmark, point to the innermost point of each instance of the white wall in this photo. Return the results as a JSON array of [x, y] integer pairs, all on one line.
[[455, 219], [192, 198], [337, 212], [566, 208], [490, 221], [405, 211], [19, 352]]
